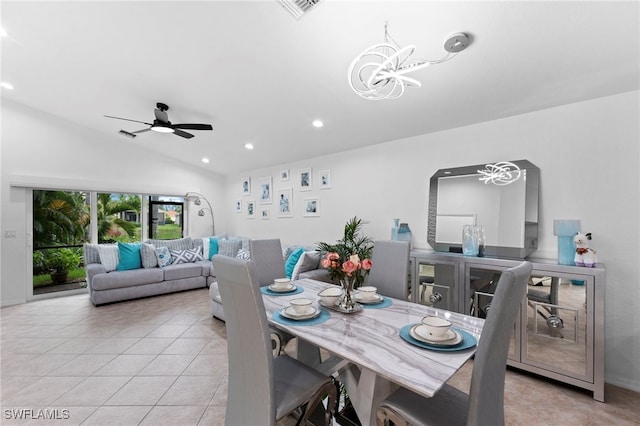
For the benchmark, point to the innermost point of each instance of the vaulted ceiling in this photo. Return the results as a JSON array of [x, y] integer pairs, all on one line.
[[261, 76]]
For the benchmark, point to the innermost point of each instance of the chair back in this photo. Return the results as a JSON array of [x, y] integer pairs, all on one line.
[[251, 393], [269, 262], [390, 272], [486, 397]]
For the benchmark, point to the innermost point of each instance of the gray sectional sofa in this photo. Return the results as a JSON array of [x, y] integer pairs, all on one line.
[[106, 286]]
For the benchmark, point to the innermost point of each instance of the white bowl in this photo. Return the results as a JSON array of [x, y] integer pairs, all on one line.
[[301, 305], [281, 282], [330, 295], [368, 292], [436, 326]]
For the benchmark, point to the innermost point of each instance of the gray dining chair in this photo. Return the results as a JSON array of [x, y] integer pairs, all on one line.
[[266, 254], [484, 405], [268, 258], [390, 272], [262, 389]]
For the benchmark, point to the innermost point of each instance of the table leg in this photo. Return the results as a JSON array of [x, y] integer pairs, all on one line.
[[366, 390]]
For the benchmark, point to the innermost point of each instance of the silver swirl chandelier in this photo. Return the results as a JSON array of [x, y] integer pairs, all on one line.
[[380, 71]]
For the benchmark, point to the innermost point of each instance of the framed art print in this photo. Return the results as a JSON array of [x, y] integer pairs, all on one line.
[[312, 207], [265, 187], [284, 175], [304, 179], [251, 209], [264, 214], [285, 202], [325, 179], [246, 186], [238, 206]]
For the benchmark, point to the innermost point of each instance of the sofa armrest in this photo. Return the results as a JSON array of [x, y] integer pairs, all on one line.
[[93, 269]]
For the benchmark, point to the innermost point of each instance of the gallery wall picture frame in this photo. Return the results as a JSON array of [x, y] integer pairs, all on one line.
[[325, 179], [311, 207], [251, 209], [304, 179], [246, 186], [265, 189], [284, 199], [284, 175], [264, 214], [238, 206]]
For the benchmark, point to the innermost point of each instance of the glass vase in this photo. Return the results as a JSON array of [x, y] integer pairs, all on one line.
[[470, 243], [346, 302]]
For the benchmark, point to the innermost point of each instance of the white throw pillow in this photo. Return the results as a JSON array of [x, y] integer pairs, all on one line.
[[109, 256]]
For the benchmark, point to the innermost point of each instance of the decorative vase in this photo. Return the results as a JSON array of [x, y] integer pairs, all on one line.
[[565, 230], [470, 242], [346, 302]]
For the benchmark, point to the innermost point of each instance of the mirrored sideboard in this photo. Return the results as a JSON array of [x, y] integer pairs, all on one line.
[[560, 330]]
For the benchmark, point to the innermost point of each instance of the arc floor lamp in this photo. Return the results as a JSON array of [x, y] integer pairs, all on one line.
[[197, 198]]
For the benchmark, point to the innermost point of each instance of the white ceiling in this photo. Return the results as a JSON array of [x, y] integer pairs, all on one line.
[[258, 75]]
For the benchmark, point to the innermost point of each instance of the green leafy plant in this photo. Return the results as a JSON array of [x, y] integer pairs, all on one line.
[[63, 260], [340, 257]]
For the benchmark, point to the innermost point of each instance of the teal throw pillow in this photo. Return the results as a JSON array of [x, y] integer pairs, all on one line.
[[213, 247], [129, 256], [293, 258]]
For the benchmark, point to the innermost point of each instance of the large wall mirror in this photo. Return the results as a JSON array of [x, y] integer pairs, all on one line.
[[501, 197]]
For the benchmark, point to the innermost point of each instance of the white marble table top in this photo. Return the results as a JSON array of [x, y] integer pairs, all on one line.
[[371, 340]]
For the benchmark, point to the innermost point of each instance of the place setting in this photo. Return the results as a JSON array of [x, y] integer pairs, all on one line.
[[301, 312], [281, 287], [369, 298], [437, 334]]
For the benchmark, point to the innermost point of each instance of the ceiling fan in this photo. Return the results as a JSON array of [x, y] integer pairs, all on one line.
[[162, 124]]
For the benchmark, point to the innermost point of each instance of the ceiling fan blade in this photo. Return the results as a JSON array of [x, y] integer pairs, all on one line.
[[127, 119], [161, 115], [193, 126], [183, 134], [142, 131]]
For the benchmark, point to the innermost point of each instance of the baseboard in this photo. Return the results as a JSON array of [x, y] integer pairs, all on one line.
[[12, 302], [623, 382]]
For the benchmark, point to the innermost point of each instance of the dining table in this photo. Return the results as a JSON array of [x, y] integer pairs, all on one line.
[[369, 349]]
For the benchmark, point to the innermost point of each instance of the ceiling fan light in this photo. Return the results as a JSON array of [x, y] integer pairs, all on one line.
[[161, 129]]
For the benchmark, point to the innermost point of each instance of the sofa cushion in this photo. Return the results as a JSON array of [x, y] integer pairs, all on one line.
[[214, 292], [182, 270], [292, 260], [109, 256], [148, 256], [90, 253], [177, 244], [129, 256], [206, 267], [164, 256], [186, 256], [120, 279], [316, 274], [309, 261], [243, 254], [229, 247]]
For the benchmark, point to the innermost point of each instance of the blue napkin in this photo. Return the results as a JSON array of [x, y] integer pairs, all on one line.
[[265, 290], [324, 315]]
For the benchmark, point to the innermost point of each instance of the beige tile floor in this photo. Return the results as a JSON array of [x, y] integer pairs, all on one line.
[[163, 361]]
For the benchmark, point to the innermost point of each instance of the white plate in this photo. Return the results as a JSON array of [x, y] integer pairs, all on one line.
[[451, 338], [291, 313], [288, 288], [358, 297]]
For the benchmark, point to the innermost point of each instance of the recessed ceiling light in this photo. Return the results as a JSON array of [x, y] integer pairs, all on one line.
[[6, 85], [317, 123], [248, 146], [205, 160]]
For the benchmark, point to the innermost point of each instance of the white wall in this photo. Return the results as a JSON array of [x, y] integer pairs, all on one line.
[[588, 155], [40, 150]]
